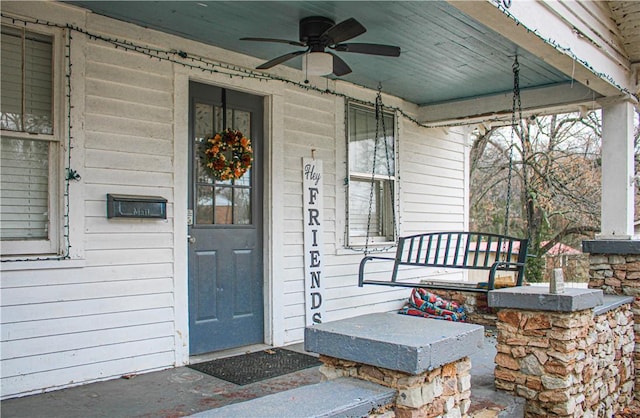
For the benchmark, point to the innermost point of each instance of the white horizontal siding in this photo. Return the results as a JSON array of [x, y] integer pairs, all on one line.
[[115, 315], [128, 94], [84, 291], [53, 345], [85, 323], [128, 143], [433, 180], [24, 314], [27, 278]]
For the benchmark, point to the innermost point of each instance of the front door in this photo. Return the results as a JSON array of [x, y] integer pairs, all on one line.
[[226, 306]]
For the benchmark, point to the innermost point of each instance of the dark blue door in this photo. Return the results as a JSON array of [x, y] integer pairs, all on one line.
[[226, 305]]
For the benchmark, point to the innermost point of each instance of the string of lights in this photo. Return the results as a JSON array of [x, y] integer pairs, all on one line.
[[197, 62], [200, 63], [70, 173], [204, 64]]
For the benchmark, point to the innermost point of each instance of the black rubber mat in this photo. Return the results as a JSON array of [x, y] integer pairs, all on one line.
[[254, 367]]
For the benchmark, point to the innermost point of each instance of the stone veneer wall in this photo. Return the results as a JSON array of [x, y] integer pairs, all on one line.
[[620, 275], [444, 391], [567, 364]]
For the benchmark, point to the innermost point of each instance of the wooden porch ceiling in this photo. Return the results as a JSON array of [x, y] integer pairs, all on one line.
[[445, 54]]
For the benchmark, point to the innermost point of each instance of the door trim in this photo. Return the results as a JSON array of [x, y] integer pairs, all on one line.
[[180, 196], [274, 209]]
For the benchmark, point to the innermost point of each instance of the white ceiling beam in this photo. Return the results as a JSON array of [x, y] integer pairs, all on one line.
[[554, 38], [550, 99]]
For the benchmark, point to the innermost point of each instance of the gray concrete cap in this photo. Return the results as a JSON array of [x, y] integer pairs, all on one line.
[[344, 397], [616, 246], [398, 342], [537, 298], [612, 302]]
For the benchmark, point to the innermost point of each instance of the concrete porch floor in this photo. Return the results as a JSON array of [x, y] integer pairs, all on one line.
[[182, 391]]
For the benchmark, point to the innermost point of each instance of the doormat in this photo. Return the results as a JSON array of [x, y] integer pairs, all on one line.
[[254, 367]]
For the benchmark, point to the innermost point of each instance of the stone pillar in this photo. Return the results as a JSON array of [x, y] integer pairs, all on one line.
[[429, 370], [564, 360], [614, 267], [618, 184], [443, 391]]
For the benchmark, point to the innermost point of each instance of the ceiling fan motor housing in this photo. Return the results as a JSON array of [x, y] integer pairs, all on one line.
[[317, 33], [312, 28]]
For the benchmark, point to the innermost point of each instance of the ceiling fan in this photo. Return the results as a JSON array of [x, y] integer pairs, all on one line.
[[319, 33]]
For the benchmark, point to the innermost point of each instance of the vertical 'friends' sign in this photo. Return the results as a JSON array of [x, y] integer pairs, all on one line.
[[313, 248]]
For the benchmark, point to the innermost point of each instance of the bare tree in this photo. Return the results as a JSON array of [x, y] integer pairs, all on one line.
[[554, 192]]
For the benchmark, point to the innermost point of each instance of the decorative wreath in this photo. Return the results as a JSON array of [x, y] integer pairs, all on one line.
[[227, 155]]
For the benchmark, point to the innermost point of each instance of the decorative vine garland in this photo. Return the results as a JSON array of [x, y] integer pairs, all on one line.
[[227, 155]]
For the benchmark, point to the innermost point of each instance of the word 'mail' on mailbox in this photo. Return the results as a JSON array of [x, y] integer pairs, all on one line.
[[131, 206]]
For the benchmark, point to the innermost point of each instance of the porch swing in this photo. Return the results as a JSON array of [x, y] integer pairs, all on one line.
[[452, 250]]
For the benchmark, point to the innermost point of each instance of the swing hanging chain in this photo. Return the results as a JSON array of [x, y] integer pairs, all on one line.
[[390, 173], [373, 175], [379, 115], [525, 147], [516, 107]]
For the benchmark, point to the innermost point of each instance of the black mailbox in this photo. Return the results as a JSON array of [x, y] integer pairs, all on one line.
[[131, 206]]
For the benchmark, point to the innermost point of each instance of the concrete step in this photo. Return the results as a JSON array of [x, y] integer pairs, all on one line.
[[343, 397], [396, 342]]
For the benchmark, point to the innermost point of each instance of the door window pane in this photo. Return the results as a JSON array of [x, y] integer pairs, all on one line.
[[202, 176], [224, 205], [204, 205], [242, 206], [208, 119], [242, 122], [245, 180], [203, 121]]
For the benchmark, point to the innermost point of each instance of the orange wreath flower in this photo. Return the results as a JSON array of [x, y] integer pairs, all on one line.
[[227, 155]]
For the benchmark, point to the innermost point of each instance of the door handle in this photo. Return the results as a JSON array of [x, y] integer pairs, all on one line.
[[191, 239]]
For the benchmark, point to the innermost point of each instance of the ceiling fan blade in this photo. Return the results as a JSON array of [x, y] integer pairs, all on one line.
[[282, 41], [279, 60], [343, 31], [372, 49], [340, 67]]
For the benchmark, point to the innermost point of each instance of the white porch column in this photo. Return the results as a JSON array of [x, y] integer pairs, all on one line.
[[618, 181]]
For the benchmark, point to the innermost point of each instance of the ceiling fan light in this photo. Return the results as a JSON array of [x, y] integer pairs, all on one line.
[[317, 63]]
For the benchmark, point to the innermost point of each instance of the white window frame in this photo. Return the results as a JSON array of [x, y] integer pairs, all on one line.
[[53, 245], [388, 239]]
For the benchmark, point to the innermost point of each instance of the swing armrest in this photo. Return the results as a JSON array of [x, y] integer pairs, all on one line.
[[504, 265], [364, 261]]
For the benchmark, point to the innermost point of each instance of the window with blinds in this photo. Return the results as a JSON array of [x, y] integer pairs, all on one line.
[[28, 148], [371, 187]]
